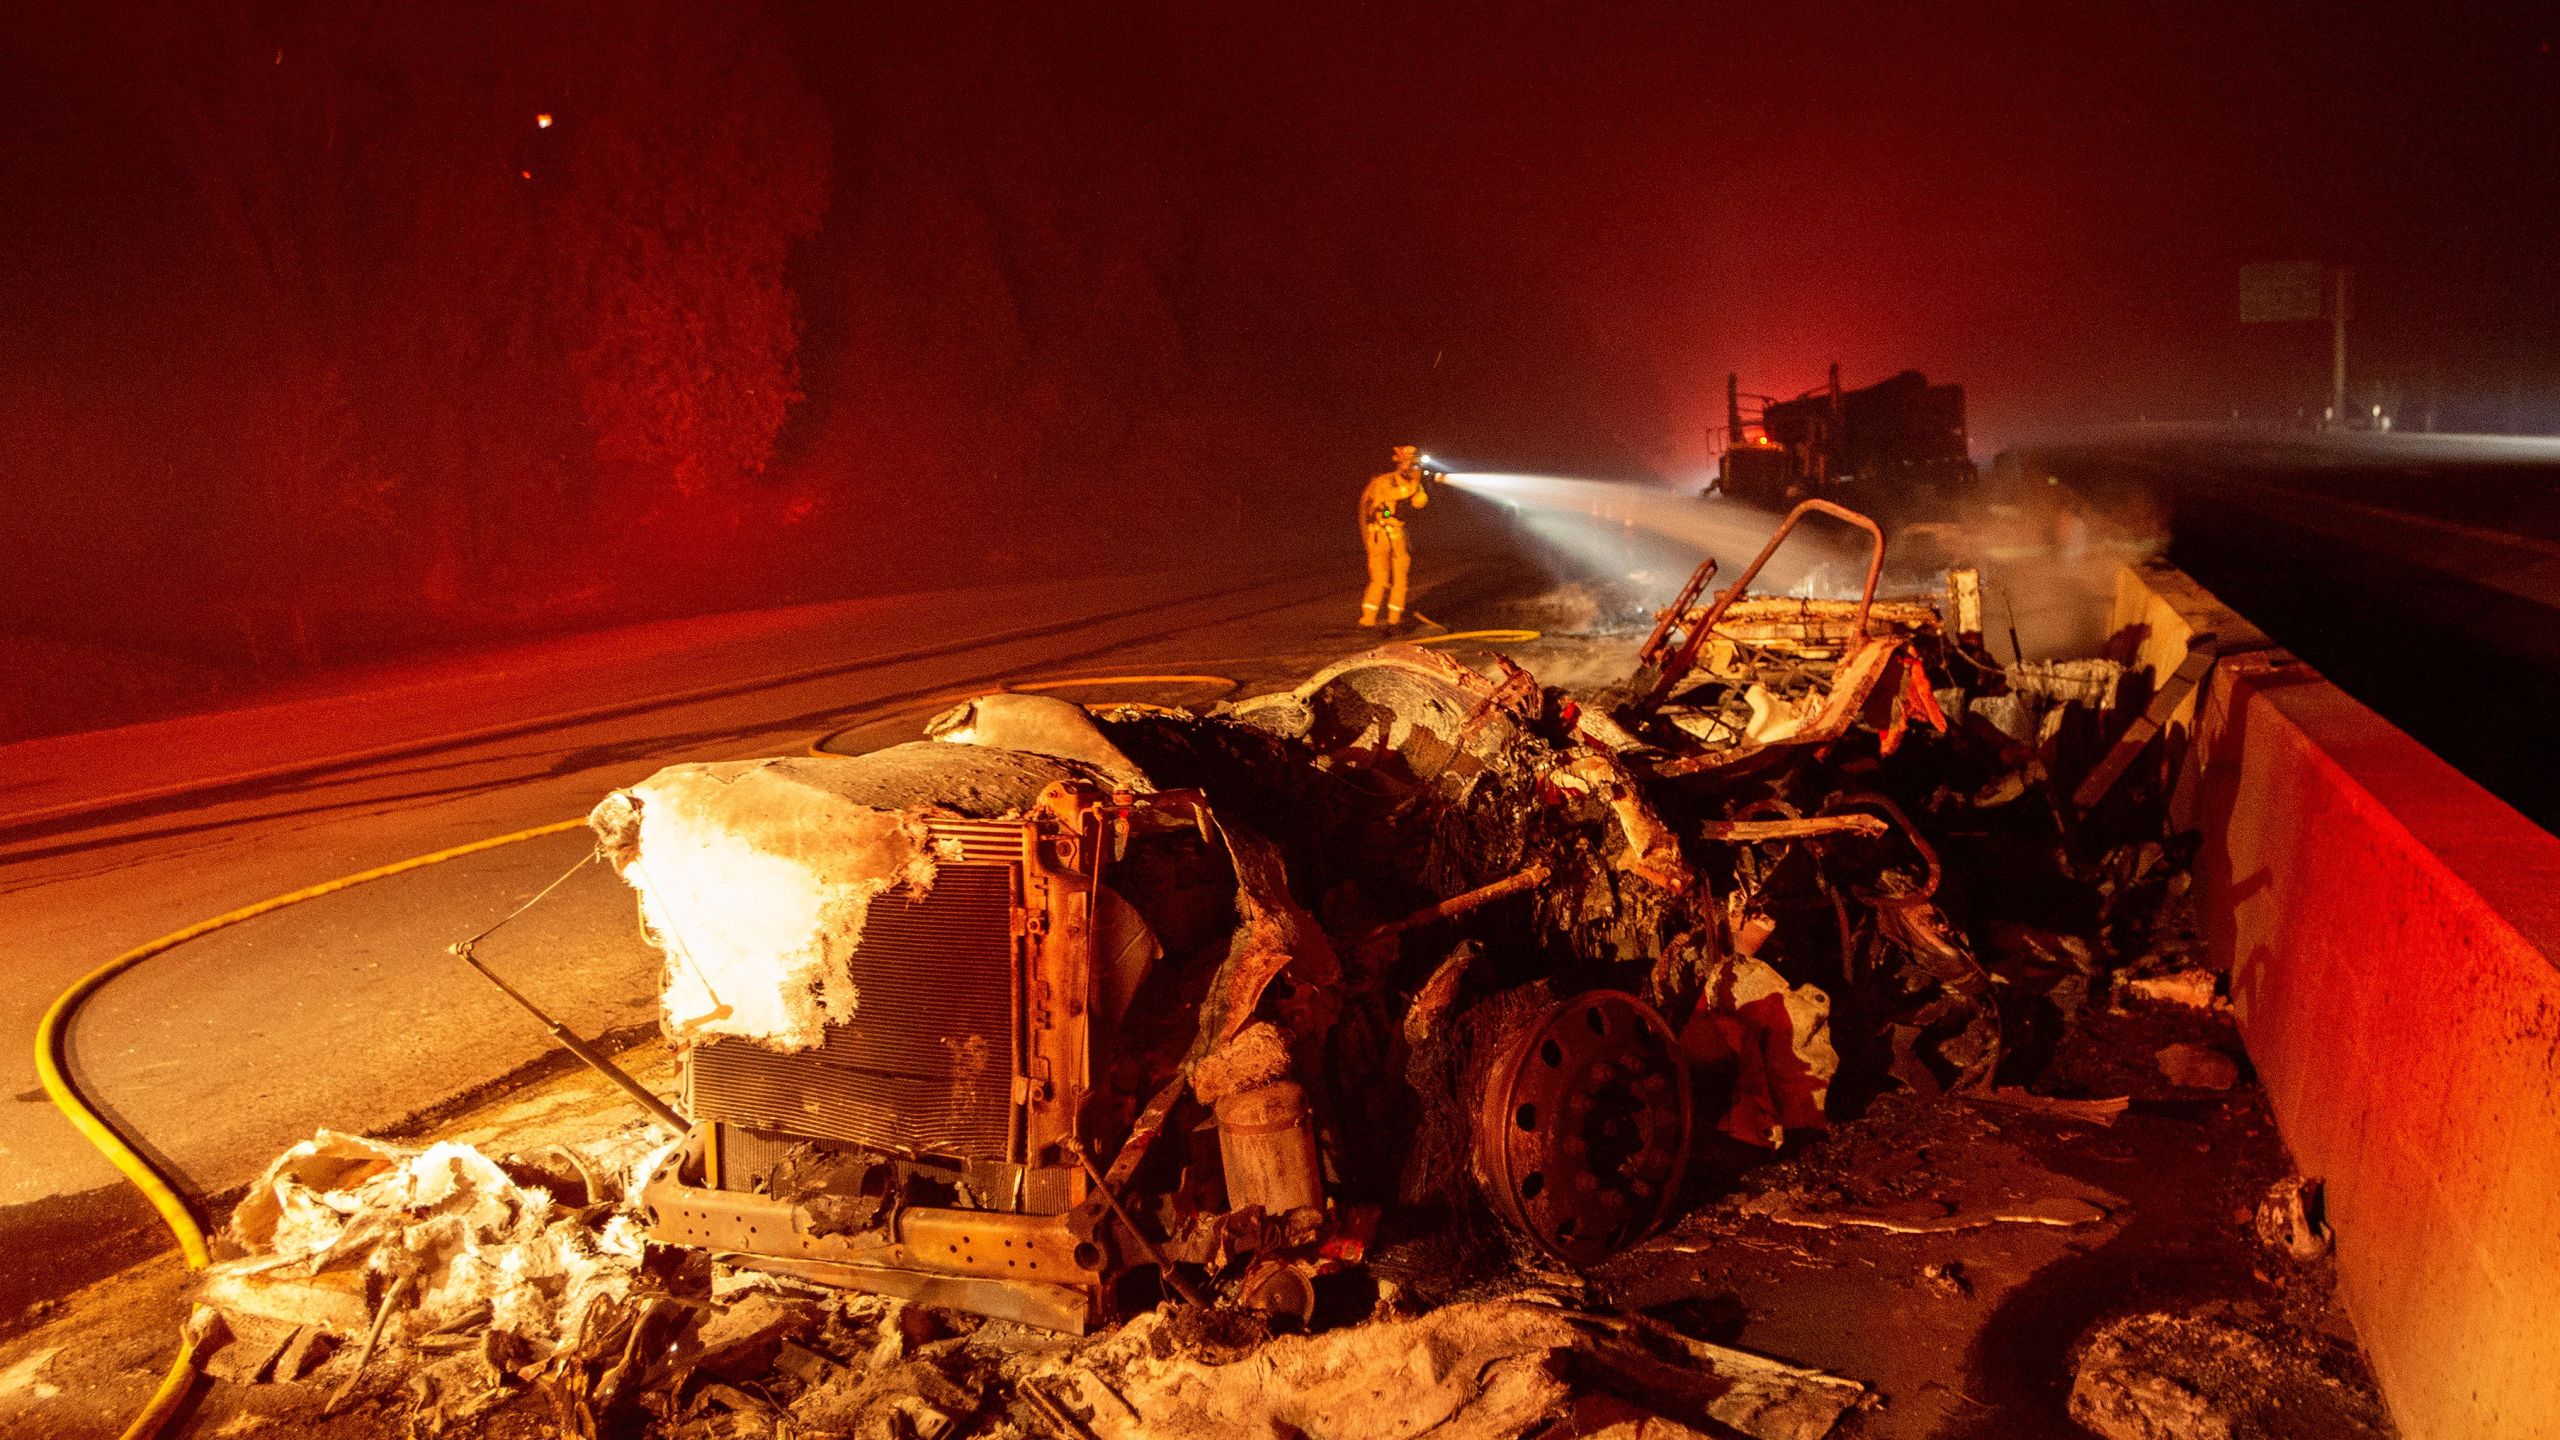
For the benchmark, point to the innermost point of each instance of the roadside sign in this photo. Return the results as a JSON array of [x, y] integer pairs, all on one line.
[[2287, 291]]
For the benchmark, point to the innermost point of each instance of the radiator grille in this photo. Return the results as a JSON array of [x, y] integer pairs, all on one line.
[[926, 1065], [746, 1156]]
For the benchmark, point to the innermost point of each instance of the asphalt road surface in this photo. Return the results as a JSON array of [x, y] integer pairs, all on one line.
[[2419, 572]]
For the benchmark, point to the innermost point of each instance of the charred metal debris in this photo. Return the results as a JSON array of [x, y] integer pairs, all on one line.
[[1407, 982]]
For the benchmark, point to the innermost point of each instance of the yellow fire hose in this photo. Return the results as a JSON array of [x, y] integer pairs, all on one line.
[[155, 1187], [1489, 637], [1069, 682]]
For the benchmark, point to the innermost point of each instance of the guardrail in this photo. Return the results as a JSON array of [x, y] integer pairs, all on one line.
[[2392, 933]]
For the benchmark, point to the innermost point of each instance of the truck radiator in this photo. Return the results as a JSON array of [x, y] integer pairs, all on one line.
[[926, 1065]]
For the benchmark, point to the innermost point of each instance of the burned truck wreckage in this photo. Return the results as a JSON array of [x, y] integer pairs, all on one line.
[[1055, 1013], [1374, 999]]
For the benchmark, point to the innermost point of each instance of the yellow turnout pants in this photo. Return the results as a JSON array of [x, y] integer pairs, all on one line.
[[1388, 563]]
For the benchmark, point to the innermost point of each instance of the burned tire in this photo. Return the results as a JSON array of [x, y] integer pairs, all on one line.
[[1582, 1130]]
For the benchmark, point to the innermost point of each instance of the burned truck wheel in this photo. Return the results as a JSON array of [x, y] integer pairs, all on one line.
[[1583, 1128]]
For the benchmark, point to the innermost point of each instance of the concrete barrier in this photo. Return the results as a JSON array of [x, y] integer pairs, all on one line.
[[2391, 931]]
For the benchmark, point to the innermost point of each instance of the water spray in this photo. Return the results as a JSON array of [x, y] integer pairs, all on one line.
[[1642, 533]]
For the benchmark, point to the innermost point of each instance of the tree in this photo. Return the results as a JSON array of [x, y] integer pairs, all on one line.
[[483, 275], [695, 160]]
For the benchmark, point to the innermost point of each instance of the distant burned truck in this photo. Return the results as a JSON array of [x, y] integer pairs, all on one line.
[[1899, 440]]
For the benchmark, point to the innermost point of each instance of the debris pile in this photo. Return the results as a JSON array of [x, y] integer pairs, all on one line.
[[2213, 1375], [494, 1269], [1491, 1368], [1208, 1035]]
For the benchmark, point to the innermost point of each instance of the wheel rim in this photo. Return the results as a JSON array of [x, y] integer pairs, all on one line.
[[1583, 1132]]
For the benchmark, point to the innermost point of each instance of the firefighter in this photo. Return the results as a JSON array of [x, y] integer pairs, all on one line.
[[1382, 534]]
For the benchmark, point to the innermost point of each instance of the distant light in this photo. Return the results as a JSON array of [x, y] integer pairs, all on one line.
[[526, 174], [543, 120]]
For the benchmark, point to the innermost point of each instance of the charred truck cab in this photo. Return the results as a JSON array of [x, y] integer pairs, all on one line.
[[998, 1025]]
